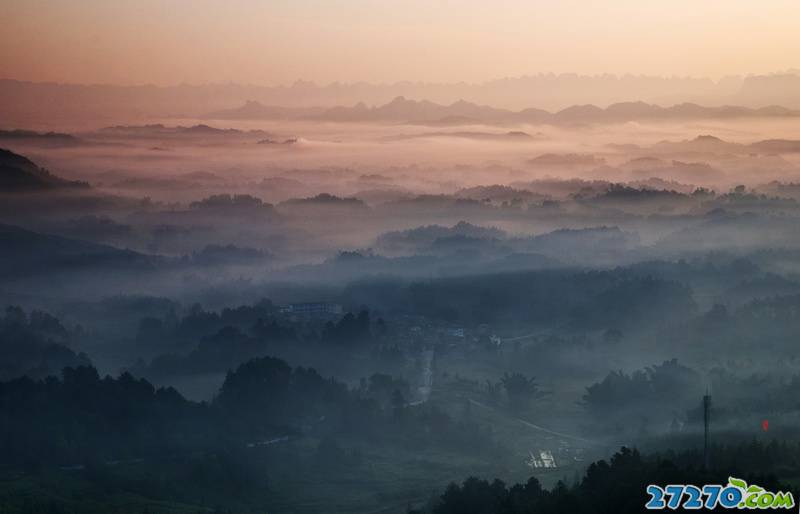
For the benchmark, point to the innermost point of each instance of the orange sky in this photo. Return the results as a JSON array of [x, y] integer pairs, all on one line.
[[279, 41]]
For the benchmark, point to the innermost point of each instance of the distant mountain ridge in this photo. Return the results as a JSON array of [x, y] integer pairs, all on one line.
[[161, 130], [403, 110], [40, 138], [22, 101], [253, 110], [708, 144]]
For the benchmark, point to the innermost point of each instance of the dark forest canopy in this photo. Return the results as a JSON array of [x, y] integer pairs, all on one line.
[[614, 486], [34, 344], [83, 417]]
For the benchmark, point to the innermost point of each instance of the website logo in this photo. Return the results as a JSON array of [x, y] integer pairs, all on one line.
[[736, 494]]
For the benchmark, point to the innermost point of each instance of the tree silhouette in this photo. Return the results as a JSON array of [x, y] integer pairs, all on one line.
[[520, 390]]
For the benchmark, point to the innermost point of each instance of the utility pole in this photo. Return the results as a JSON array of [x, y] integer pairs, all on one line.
[[706, 421]]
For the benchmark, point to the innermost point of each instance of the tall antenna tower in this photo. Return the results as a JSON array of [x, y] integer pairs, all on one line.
[[706, 421]]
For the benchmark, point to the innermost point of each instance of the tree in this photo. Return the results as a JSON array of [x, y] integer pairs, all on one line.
[[519, 390], [348, 331]]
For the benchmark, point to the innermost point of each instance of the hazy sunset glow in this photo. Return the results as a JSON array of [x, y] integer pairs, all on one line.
[[274, 42]]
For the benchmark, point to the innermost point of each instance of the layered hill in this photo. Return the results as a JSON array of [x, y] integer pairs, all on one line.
[[20, 174], [25, 252]]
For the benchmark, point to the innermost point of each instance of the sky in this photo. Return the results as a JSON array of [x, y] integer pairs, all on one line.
[[272, 42]]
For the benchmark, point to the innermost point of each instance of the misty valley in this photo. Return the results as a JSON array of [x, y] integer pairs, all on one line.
[[417, 306]]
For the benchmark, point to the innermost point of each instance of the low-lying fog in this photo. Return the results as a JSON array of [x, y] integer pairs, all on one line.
[[528, 286], [446, 157], [152, 186]]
